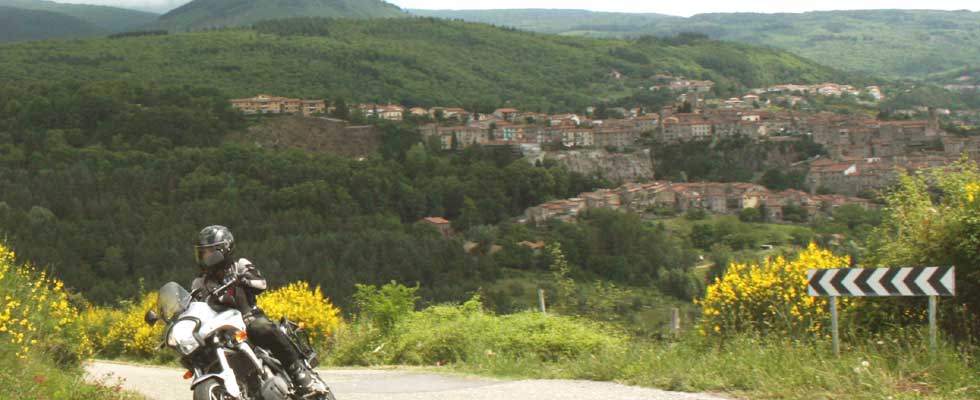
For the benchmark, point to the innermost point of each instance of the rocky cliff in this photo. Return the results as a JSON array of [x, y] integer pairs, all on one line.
[[616, 167]]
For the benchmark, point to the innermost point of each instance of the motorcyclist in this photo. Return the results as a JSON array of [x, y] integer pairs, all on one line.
[[214, 250]]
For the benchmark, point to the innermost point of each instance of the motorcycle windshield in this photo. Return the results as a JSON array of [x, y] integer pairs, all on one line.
[[172, 300]]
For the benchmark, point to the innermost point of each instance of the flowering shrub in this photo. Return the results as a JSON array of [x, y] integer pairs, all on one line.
[[130, 334], [932, 218], [769, 298], [300, 304], [35, 313], [122, 331], [96, 323]]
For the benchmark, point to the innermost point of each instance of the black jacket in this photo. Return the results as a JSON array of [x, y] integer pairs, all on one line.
[[241, 296]]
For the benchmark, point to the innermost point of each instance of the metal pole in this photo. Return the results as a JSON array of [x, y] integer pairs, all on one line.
[[675, 321], [541, 300], [932, 324], [833, 325]]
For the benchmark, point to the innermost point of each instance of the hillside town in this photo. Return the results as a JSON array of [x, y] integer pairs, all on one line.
[[864, 153], [676, 198]]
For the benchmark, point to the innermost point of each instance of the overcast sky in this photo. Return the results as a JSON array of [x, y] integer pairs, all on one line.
[[672, 7]]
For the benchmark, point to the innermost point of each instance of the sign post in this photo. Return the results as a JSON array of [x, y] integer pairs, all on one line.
[[882, 282], [932, 323], [833, 325], [675, 322]]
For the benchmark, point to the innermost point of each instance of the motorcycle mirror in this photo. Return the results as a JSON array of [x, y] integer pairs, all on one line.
[[151, 318]]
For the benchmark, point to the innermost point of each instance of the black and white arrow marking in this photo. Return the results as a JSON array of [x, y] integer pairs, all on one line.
[[917, 281]]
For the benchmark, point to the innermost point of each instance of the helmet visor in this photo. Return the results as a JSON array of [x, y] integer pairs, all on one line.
[[208, 256]]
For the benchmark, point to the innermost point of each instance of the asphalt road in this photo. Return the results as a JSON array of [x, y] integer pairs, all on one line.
[[161, 383]]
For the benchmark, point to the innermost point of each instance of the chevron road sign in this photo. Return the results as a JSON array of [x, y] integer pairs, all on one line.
[[917, 281], [881, 282]]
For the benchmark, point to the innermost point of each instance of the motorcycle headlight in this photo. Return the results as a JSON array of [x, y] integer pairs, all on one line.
[[182, 337]]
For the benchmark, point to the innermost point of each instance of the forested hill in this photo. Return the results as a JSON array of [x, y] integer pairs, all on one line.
[[414, 61], [108, 19], [567, 22], [18, 24], [200, 14], [893, 42]]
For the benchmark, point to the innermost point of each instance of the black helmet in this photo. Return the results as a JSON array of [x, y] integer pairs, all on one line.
[[217, 238]]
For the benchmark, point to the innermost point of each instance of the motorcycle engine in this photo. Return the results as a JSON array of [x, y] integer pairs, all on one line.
[[275, 388]]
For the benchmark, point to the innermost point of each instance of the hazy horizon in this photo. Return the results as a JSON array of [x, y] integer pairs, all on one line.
[[626, 6]]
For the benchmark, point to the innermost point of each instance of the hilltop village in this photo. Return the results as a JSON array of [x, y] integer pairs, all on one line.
[[864, 153]]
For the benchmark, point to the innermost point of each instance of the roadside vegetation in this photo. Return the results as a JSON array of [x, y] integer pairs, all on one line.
[[42, 342]]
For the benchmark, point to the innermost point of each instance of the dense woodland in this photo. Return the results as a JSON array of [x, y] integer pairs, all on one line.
[[411, 61], [736, 159], [108, 191]]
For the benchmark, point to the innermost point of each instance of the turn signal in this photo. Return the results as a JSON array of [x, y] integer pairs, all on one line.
[[301, 325], [189, 374], [240, 336]]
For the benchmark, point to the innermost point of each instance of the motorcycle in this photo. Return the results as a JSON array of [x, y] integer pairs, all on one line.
[[214, 348]]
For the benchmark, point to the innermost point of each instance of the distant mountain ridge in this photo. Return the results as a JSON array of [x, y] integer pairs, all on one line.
[[109, 19], [18, 24], [890, 42], [200, 14], [551, 20], [414, 61]]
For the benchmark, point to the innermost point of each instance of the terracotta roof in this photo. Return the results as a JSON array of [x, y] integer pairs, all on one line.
[[532, 245], [436, 220]]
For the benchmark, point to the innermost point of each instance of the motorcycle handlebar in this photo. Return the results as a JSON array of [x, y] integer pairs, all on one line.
[[215, 291]]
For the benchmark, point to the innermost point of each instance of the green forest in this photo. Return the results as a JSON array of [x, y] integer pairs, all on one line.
[[220, 13], [412, 61]]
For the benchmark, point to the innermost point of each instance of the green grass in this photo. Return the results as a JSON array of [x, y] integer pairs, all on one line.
[[531, 345], [642, 310], [39, 378], [780, 236], [763, 368]]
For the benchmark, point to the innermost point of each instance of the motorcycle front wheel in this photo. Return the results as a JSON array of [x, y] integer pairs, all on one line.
[[211, 389]]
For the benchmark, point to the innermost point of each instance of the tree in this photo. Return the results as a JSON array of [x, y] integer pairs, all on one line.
[[750, 214], [686, 107], [386, 305], [702, 235], [795, 213], [774, 179], [469, 216], [341, 109], [933, 218], [565, 297]]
